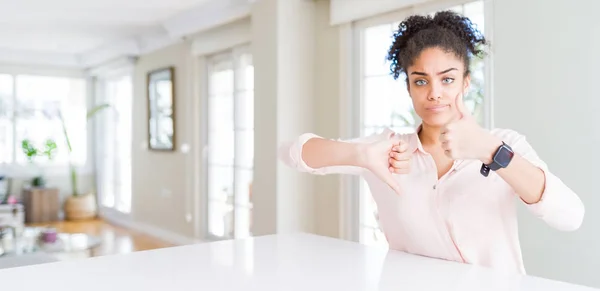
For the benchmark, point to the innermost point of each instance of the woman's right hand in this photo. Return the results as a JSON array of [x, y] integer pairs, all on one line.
[[380, 158]]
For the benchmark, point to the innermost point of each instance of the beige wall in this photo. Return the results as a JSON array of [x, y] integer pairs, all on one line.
[[161, 180], [168, 188], [164, 184], [283, 48], [326, 115]]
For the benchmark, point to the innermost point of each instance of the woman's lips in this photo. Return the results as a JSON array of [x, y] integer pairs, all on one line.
[[437, 108]]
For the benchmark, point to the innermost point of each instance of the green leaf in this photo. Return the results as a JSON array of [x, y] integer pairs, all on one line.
[[29, 150], [96, 109], [50, 149]]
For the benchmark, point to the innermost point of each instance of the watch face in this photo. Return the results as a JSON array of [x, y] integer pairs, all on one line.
[[504, 156]]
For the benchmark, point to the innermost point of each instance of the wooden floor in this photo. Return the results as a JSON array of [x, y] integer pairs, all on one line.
[[115, 239]]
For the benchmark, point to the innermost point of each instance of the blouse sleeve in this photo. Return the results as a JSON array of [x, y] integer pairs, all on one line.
[[560, 207], [290, 153]]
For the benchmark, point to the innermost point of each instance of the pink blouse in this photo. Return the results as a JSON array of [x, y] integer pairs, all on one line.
[[463, 216]]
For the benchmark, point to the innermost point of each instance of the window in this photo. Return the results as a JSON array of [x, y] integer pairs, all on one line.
[[7, 144], [114, 138], [230, 159], [384, 102], [30, 108]]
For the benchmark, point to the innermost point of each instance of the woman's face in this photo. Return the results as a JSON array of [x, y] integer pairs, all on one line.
[[435, 80]]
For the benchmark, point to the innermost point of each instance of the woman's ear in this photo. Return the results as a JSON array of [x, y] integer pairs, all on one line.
[[466, 84]]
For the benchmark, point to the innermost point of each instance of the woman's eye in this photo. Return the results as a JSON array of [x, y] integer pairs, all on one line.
[[448, 80], [420, 82]]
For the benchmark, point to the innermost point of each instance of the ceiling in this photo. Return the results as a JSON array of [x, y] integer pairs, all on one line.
[[72, 32]]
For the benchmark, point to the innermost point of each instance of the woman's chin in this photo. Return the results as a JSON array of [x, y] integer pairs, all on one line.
[[436, 121]]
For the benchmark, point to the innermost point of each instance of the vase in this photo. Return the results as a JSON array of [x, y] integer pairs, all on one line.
[[80, 207]]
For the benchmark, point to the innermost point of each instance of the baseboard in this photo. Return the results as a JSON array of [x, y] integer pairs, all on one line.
[[151, 230]]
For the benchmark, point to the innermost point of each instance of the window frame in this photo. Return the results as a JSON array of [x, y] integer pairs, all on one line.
[[231, 54], [352, 72]]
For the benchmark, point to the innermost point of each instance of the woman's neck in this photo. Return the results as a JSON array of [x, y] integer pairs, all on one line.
[[429, 136]]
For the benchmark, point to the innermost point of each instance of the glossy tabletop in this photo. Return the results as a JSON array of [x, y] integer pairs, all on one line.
[[279, 262]]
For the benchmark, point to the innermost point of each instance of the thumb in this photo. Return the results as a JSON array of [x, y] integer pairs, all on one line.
[[401, 147], [389, 179], [461, 109], [395, 139]]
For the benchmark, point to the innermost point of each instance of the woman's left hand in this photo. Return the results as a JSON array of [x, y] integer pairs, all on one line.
[[464, 139]]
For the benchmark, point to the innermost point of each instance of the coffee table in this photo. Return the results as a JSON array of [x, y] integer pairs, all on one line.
[[29, 249]]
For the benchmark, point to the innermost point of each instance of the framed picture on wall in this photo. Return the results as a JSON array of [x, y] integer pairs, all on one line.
[[161, 109]]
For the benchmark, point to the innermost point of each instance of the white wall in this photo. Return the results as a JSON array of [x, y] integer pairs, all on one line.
[[545, 86]]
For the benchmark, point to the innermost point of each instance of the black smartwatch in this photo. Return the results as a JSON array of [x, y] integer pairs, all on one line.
[[501, 159]]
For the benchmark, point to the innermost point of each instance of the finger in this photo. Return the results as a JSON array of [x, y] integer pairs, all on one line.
[[401, 171], [462, 110], [401, 147], [448, 153], [444, 137], [448, 127], [399, 164], [446, 145], [395, 138], [400, 156]]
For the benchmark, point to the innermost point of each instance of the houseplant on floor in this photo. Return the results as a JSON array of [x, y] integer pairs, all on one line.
[[79, 206]]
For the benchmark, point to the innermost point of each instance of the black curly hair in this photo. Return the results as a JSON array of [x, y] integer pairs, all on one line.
[[446, 30]]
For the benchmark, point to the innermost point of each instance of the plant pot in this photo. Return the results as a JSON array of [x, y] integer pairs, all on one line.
[[81, 207], [38, 182]]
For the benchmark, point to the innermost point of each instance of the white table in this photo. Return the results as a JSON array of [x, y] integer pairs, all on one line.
[[283, 262]]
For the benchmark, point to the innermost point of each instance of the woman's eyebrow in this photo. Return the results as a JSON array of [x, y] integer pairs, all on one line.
[[440, 73]]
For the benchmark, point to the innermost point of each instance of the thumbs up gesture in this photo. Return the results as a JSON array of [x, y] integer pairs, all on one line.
[[463, 138]]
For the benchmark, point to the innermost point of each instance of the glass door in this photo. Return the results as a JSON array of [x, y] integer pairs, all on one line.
[[230, 158]]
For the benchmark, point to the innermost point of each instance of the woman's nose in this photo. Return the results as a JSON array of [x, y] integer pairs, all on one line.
[[435, 92]]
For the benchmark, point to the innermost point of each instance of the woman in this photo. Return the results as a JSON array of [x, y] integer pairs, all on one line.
[[447, 191]]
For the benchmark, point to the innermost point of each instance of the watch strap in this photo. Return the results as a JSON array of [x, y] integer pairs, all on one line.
[[493, 166], [485, 170]]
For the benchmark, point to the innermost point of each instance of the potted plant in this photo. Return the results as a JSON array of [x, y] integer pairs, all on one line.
[[31, 152], [79, 205]]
